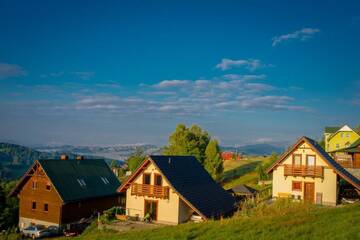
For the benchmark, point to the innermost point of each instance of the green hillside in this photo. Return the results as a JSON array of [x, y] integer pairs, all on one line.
[[282, 220]]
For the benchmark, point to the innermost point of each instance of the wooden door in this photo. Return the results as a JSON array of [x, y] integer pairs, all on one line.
[[309, 192], [151, 207]]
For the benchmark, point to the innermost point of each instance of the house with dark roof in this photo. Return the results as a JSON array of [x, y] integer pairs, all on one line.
[[62, 191], [173, 190], [307, 172]]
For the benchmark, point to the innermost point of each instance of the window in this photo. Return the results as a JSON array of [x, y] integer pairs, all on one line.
[[342, 135], [146, 178], [296, 186], [337, 146], [34, 185], [48, 187], [46, 207], [33, 206], [310, 160], [297, 159], [105, 180], [347, 135], [81, 182], [157, 180]]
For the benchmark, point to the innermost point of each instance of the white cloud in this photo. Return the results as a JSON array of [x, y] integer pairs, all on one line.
[[302, 35], [250, 64], [171, 83], [84, 75], [11, 70]]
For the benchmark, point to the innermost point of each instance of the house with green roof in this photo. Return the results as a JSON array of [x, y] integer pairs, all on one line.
[[337, 138], [58, 192]]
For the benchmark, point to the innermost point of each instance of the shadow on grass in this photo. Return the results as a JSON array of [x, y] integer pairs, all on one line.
[[239, 171]]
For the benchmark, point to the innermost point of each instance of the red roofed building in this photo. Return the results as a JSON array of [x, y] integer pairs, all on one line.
[[230, 156]]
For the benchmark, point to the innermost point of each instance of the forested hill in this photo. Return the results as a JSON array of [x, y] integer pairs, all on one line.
[[15, 159]]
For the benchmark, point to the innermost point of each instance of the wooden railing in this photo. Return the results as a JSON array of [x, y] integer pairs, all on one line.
[[303, 171], [149, 190], [346, 161]]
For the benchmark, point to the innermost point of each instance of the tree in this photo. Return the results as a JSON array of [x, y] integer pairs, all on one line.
[[357, 129], [9, 206], [135, 159], [262, 167], [188, 141], [213, 163]]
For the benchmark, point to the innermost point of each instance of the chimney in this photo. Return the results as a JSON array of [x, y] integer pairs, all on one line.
[[64, 157], [79, 157]]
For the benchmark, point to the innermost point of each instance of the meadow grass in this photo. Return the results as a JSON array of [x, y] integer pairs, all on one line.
[[281, 220]]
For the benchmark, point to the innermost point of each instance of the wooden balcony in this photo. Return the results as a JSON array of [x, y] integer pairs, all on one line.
[[346, 161], [303, 171], [150, 190]]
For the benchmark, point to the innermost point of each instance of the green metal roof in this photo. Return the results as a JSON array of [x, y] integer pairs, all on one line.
[[331, 129], [75, 180]]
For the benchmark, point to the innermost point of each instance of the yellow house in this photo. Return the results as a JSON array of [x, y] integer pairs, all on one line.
[[306, 172], [337, 138], [173, 190]]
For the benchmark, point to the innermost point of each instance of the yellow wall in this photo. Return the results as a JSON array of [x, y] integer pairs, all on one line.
[[340, 139], [170, 211], [327, 185]]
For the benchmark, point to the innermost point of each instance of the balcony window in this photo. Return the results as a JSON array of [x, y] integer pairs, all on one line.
[[297, 159], [146, 178], [157, 180], [310, 160]]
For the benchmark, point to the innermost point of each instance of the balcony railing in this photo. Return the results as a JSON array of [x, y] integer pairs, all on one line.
[[303, 171], [346, 161], [150, 190]]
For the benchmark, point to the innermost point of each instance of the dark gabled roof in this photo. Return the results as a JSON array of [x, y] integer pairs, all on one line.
[[243, 189], [66, 174], [331, 162], [355, 144], [193, 184], [331, 129]]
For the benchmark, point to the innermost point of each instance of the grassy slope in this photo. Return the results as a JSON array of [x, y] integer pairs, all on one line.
[[267, 222], [242, 172]]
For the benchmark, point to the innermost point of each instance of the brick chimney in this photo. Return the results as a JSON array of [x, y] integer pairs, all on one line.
[[64, 157]]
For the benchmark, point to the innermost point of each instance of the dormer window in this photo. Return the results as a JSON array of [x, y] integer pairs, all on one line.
[[105, 180], [81, 182]]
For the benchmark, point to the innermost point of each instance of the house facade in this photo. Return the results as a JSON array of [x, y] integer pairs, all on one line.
[[306, 172], [173, 189], [337, 138], [60, 192]]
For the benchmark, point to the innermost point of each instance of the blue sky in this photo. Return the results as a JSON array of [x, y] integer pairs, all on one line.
[[114, 72]]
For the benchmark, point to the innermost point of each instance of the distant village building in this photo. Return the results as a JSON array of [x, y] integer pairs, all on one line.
[[337, 138], [173, 190], [306, 172], [230, 156], [59, 192]]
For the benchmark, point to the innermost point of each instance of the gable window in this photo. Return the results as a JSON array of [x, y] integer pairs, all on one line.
[[48, 187], [146, 178], [342, 135], [296, 186], [157, 180], [46, 207], [348, 135], [33, 206], [297, 159], [310, 160], [337, 146], [34, 185]]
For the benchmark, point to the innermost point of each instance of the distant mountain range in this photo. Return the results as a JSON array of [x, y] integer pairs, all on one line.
[[15, 159], [255, 149]]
